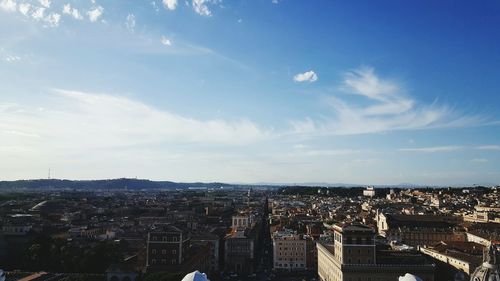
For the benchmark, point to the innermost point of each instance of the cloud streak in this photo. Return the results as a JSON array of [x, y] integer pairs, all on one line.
[[384, 106], [449, 148], [86, 120]]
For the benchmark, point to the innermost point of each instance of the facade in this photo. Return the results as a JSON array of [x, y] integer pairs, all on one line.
[[353, 256], [455, 258], [167, 246], [289, 251], [243, 220], [239, 252], [415, 230], [214, 245], [369, 191]]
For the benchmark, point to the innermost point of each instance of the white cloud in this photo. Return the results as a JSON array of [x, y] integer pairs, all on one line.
[[170, 4], [95, 13], [308, 76], [480, 160], [45, 3], [24, 8], [11, 58], [113, 121], [130, 23], [8, 5], [53, 19], [448, 148], [489, 147], [385, 107], [165, 41], [201, 6], [275, 1], [38, 13], [68, 10]]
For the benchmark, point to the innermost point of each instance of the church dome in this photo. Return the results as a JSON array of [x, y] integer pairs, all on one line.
[[409, 277], [195, 276], [490, 269]]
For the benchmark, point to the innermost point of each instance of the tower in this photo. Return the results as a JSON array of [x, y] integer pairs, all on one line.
[[354, 244]]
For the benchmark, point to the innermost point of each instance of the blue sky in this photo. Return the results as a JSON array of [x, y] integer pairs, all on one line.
[[284, 91]]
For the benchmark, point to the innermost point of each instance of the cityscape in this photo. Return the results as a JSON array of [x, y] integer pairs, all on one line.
[[249, 140], [118, 230]]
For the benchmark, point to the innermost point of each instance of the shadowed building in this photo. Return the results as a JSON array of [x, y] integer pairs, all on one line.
[[353, 256]]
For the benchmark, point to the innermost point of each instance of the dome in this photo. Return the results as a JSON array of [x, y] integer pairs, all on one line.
[[490, 269], [195, 276], [409, 277]]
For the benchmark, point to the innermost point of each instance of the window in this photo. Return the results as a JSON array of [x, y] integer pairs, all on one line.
[[153, 261], [153, 251], [164, 252], [174, 252]]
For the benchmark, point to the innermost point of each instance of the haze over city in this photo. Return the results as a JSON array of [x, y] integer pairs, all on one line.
[[276, 91]]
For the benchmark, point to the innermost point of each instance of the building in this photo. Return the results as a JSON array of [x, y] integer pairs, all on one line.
[[242, 220], [417, 230], [454, 259], [166, 247], [240, 244], [353, 256], [369, 191], [214, 243], [490, 269], [170, 248], [289, 251], [239, 251]]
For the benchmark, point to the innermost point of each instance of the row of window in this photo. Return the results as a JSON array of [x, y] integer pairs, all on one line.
[[164, 252], [291, 254], [291, 265], [163, 261], [165, 238], [290, 259]]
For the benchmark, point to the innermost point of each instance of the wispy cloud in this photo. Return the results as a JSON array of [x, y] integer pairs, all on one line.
[[170, 4], [432, 149], [130, 22], [479, 160], [201, 6], [111, 120], [68, 10], [488, 147], [308, 76], [385, 107], [95, 13], [165, 41], [44, 12], [8, 5]]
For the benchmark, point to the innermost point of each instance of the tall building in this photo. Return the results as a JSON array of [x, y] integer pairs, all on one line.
[[353, 256], [169, 248], [240, 244], [289, 251], [166, 247]]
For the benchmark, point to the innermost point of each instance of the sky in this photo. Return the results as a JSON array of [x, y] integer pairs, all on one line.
[[251, 91]]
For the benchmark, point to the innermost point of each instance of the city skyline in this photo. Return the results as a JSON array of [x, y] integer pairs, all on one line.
[[269, 91]]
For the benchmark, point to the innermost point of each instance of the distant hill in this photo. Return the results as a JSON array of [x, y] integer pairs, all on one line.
[[133, 184]]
